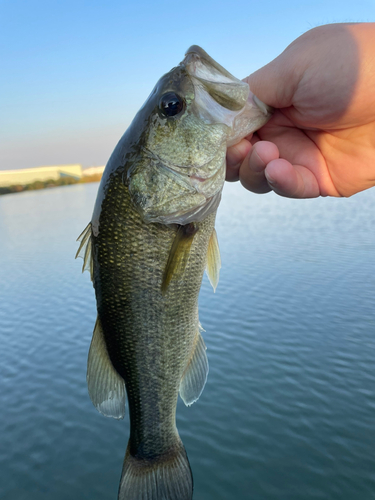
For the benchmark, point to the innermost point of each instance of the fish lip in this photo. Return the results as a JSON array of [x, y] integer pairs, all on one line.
[[198, 52], [261, 105]]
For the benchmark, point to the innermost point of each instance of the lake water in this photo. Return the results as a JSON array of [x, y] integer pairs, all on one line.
[[288, 412]]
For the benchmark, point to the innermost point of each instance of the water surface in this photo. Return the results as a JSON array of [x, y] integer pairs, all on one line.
[[288, 412]]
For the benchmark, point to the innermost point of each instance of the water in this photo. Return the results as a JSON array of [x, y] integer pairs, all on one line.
[[288, 412]]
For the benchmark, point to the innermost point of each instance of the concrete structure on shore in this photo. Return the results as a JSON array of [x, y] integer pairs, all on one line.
[[88, 172], [30, 175]]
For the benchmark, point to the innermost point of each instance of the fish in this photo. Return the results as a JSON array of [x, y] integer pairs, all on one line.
[[151, 237]]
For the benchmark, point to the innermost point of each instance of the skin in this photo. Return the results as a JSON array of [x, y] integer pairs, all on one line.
[[321, 138]]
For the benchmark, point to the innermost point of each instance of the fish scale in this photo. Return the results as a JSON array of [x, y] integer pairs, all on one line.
[[150, 238], [149, 337]]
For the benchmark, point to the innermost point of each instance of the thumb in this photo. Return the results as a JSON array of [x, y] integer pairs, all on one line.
[[276, 83]]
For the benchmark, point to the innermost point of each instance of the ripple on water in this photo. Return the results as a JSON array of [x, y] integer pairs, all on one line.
[[289, 406]]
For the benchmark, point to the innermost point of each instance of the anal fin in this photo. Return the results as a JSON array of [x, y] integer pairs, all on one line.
[[106, 387], [195, 375]]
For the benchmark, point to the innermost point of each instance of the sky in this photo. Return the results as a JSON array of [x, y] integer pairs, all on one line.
[[74, 73]]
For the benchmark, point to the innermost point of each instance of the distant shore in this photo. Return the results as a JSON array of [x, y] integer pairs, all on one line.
[[50, 183]]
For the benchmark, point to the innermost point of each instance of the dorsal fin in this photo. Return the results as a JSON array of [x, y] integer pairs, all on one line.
[[179, 254], [85, 250], [213, 260]]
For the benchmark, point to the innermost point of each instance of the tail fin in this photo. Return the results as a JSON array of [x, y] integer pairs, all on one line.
[[167, 477]]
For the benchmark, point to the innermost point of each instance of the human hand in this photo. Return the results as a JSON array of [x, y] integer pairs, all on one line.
[[321, 139]]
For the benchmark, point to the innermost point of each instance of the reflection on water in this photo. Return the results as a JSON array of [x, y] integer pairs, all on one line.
[[288, 411]]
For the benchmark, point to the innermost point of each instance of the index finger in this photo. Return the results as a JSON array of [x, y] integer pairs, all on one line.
[[235, 156]]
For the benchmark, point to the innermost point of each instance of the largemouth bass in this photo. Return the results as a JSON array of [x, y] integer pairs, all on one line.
[[149, 241]]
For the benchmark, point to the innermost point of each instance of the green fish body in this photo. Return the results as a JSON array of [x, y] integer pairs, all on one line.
[[151, 237]]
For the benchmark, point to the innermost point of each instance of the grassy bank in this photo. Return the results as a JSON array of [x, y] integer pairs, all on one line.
[[63, 181]]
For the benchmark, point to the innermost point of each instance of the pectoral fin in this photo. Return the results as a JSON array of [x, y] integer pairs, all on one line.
[[213, 260], [85, 250], [106, 387], [195, 375], [179, 254]]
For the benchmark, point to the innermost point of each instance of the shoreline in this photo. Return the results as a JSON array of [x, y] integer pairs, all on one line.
[[50, 183]]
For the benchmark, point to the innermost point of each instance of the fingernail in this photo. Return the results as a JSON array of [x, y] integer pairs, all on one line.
[[270, 181]]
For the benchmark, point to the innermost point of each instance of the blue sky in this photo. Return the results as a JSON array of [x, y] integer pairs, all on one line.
[[74, 73]]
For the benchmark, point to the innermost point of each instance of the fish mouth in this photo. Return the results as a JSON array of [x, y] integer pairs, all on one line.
[[222, 98], [195, 52], [222, 86], [195, 56]]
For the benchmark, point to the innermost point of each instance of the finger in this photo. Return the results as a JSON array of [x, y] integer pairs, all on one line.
[[252, 169], [275, 84], [299, 148], [235, 156], [292, 181]]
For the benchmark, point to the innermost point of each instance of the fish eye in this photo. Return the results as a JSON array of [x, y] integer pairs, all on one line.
[[171, 104]]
